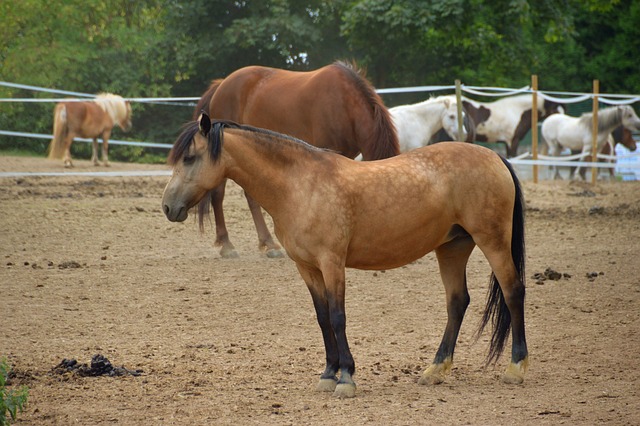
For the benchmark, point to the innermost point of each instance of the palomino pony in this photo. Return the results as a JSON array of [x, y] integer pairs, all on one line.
[[332, 213], [91, 119], [563, 131], [508, 119], [334, 107], [418, 123]]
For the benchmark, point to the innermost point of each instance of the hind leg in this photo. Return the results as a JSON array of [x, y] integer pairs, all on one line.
[[513, 291], [452, 259], [67, 150]]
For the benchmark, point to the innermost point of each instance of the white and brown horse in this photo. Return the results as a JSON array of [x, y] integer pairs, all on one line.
[[508, 119], [418, 123], [91, 119], [564, 131], [332, 213]]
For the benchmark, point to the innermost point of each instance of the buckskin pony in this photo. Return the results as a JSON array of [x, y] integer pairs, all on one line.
[[332, 213]]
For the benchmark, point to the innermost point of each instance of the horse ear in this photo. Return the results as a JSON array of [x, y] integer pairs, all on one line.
[[447, 103], [204, 123]]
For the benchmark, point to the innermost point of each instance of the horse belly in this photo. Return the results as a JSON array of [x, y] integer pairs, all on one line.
[[392, 251]]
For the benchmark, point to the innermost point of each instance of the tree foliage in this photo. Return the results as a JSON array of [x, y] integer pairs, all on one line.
[[150, 48]]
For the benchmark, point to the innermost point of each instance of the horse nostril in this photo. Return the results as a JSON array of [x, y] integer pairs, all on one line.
[[165, 209]]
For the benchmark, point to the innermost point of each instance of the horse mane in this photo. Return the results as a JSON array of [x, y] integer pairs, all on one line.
[[114, 105], [215, 139], [383, 133], [607, 118], [205, 99]]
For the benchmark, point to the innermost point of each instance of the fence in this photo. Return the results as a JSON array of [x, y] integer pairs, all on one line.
[[630, 161]]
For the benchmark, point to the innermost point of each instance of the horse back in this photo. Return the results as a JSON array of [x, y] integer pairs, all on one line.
[[329, 107], [422, 198], [86, 119]]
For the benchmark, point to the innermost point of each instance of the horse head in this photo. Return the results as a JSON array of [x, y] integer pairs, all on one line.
[[629, 118], [194, 158], [125, 122], [450, 120]]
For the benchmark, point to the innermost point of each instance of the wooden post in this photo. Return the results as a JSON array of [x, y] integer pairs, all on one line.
[[459, 104], [594, 131], [534, 125]]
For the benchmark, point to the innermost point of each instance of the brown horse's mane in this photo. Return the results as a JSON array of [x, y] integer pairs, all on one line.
[[384, 132], [205, 99]]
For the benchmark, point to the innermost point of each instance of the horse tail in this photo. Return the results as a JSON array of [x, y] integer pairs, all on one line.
[[496, 309], [60, 129], [382, 136], [205, 99]]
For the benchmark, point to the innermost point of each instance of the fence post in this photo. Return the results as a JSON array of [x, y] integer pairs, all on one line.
[[534, 125], [594, 132], [459, 104]]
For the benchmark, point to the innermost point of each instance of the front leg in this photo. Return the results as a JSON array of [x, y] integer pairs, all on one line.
[[329, 304], [105, 148], [94, 151]]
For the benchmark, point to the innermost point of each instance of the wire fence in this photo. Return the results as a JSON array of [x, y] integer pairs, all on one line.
[[631, 161]]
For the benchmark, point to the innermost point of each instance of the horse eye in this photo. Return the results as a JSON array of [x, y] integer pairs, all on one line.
[[189, 159]]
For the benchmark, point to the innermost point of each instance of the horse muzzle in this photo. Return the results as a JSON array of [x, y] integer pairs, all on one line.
[[175, 213]]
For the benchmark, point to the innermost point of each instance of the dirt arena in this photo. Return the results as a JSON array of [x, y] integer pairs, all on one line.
[[90, 265]]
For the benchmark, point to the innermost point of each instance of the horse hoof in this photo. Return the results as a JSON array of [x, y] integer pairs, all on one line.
[[345, 390], [435, 374], [229, 254], [327, 385], [274, 254], [514, 375]]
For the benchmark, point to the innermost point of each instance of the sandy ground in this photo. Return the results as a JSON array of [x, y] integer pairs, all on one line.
[[91, 266]]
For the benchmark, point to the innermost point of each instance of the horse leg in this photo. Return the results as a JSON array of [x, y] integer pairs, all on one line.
[[327, 292], [265, 240], [581, 171], [67, 150], [227, 250], [452, 259], [555, 151], [94, 151], [105, 148], [513, 292]]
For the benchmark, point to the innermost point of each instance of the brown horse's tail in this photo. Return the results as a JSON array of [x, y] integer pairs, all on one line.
[[381, 137], [205, 99], [496, 309], [60, 129]]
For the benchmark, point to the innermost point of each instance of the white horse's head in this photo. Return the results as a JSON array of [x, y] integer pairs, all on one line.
[[450, 119], [629, 118]]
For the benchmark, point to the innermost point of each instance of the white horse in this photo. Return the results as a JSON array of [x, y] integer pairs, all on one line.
[[563, 131], [507, 119], [418, 123]]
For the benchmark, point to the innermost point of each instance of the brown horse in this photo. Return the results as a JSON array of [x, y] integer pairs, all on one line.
[[331, 212], [91, 119], [334, 107]]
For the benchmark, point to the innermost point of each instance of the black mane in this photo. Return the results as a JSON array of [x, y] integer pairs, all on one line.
[[216, 135]]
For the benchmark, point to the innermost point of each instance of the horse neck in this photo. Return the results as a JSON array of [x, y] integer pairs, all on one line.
[[608, 120], [267, 169]]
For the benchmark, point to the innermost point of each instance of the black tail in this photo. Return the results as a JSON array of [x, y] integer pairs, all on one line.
[[496, 309]]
